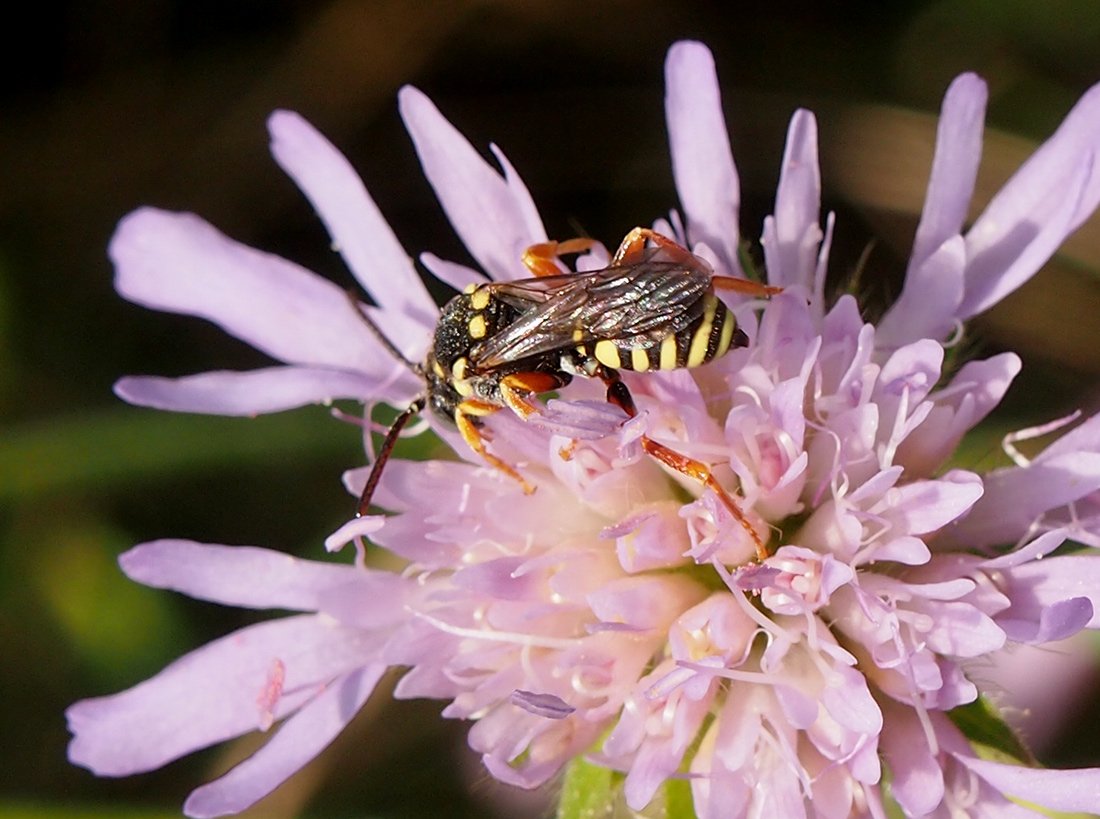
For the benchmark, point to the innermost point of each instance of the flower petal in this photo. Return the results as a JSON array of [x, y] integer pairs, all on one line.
[[252, 577], [1017, 497], [1045, 201], [954, 171], [299, 740], [791, 256], [256, 392], [1041, 584], [1076, 790], [212, 694], [178, 263], [702, 163], [492, 214], [929, 300], [353, 220]]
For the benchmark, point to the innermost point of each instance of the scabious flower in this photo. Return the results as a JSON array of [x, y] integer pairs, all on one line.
[[618, 615]]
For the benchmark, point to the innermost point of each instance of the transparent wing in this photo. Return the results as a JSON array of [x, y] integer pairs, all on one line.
[[645, 301]]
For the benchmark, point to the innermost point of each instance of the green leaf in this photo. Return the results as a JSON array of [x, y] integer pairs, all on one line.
[[588, 791], [983, 725]]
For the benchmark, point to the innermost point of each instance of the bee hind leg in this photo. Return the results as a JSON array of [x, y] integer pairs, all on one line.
[[619, 395], [542, 259]]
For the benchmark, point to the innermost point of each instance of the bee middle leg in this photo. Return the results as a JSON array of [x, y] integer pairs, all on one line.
[[619, 395]]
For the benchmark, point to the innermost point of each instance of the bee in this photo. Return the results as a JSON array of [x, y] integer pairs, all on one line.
[[499, 344]]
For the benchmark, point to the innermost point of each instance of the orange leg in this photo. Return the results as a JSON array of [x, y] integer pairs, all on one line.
[[634, 244], [465, 412], [541, 259], [630, 250], [618, 394], [517, 388], [745, 287]]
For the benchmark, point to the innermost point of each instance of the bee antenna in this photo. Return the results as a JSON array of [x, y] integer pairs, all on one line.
[[378, 334], [385, 450]]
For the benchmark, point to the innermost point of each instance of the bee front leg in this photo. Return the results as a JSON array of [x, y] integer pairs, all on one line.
[[465, 413], [517, 388], [619, 395]]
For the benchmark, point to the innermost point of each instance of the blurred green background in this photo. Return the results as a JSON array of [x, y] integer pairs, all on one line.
[[107, 106]]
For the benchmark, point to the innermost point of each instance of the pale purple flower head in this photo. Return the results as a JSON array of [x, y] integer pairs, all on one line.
[[618, 615]]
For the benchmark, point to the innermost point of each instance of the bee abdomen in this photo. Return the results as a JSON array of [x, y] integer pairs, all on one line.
[[708, 337]]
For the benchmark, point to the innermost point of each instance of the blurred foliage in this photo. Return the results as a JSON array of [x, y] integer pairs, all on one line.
[[108, 106]]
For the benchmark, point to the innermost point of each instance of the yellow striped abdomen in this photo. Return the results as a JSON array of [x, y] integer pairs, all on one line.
[[709, 336]]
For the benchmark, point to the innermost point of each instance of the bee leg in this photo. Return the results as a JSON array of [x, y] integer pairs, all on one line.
[[541, 259], [465, 413], [619, 395], [633, 244], [517, 388], [745, 287]]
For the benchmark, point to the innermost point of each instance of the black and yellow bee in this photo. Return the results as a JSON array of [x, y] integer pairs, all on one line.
[[499, 344]]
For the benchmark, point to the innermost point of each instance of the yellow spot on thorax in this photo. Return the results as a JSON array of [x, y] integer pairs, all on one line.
[[639, 359], [479, 298], [476, 328]]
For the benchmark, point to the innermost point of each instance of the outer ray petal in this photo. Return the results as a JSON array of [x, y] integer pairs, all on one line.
[[791, 250], [303, 736], [1045, 201], [256, 578], [211, 694], [178, 263], [1076, 790], [256, 392], [492, 214], [702, 163], [358, 230]]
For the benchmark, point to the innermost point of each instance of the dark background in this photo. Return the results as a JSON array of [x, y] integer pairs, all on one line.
[[105, 106]]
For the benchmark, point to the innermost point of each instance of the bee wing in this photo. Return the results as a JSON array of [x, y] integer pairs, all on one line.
[[645, 301]]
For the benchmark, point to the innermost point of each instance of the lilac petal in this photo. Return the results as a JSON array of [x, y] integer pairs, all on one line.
[[452, 274], [917, 775], [975, 390], [1017, 497], [492, 214], [1083, 438], [358, 527], [212, 694], [1046, 200], [256, 578], [848, 701], [930, 299], [178, 263], [1040, 584], [925, 506], [702, 163], [541, 705], [1058, 621], [358, 230], [299, 740], [583, 420], [954, 171], [792, 258], [1075, 790], [256, 392], [1036, 549]]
